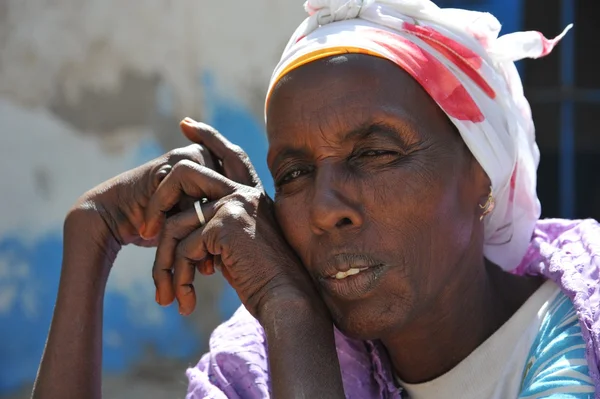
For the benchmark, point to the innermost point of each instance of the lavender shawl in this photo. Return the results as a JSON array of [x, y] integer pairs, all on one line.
[[564, 251]]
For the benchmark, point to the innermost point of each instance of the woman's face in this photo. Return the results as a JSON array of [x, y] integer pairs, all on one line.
[[372, 177]]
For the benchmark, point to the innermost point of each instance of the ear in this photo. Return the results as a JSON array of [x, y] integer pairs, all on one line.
[[481, 184]]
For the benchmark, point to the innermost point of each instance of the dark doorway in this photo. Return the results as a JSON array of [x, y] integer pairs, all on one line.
[[542, 81]]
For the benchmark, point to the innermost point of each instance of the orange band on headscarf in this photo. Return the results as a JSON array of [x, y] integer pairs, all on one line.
[[317, 55]]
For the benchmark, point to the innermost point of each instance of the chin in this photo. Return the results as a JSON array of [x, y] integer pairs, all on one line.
[[367, 321]]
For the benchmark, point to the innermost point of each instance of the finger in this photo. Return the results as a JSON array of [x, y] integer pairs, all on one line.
[[186, 178], [162, 167], [190, 251], [217, 263], [198, 154], [194, 152], [183, 285], [164, 164], [152, 181], [235, 162], [206, 266], [176, 229]]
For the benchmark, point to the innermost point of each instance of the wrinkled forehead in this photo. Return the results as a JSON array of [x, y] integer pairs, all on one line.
[[339, 38], [341, 93]]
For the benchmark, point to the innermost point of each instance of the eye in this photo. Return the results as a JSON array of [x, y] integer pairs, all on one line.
[[292, 175]]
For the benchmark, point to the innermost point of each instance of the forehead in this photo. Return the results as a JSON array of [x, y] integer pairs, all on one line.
[[337, 94]]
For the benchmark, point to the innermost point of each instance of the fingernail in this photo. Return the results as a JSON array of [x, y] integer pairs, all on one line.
[[157, 300], [142, 231], [188, 121]]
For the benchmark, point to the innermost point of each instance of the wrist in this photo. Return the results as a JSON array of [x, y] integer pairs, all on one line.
[[87, 234], [291, 302]]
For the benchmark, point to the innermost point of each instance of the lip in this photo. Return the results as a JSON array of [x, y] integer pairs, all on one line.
[[342, 262], [354, 286]]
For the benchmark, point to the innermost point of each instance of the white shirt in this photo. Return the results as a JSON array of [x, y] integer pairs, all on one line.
[[495, 369]]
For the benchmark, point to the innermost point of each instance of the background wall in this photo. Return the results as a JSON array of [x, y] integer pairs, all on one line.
[[90, 88]]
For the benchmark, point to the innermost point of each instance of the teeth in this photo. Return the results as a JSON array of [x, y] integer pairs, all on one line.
[[351, 272]]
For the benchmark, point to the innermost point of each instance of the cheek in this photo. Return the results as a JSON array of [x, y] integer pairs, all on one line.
[[442, 219], [419, 208], [292, 217]]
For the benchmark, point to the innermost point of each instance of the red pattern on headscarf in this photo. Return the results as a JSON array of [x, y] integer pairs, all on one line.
[[431, 74]]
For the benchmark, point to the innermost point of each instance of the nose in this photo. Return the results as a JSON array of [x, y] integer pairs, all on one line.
[[334, 206]]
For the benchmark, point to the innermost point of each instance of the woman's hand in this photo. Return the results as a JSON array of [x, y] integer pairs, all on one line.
[[103, 219], [240, 229], [118, 204], [116, 207]]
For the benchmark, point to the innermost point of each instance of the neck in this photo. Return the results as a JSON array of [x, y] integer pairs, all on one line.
[[462, 318]]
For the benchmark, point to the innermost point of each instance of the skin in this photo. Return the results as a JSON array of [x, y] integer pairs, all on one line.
[[241, 237], [376, 169], [370, 171]]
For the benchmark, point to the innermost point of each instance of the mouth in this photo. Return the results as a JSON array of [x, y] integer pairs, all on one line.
[[350, 272], [350, 276]]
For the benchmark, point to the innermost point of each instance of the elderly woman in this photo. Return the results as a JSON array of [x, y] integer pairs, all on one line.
[[402, 255]]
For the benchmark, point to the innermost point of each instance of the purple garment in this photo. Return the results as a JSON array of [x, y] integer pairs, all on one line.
[[566, 252]]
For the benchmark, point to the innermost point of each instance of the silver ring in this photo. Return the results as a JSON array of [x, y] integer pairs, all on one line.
[[198, 207]]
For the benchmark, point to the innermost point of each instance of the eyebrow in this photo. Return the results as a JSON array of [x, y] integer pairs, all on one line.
[[288, 152], [378, 127], [359, 133]]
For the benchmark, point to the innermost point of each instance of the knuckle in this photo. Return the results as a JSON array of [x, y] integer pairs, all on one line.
[[238, 197], [195, 153], [235, 214], [170, 226], [183, 166], [189, 250], [238, 151], [157, 276], [227, 241], [184, 290], [246, 196], [182, 250], [211, 130], [175, 155]]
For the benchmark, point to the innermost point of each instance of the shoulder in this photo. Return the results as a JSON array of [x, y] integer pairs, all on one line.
[[236, 364], [557, 364]]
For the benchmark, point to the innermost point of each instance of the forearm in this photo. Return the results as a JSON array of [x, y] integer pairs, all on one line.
[[302, 356], [72, 360]]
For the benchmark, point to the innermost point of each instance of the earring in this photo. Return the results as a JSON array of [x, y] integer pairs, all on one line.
[[488, 207]]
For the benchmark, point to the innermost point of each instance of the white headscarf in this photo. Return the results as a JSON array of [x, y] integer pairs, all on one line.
[[458, 58]]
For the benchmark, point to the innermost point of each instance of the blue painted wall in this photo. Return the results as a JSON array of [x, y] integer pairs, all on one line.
[[22, 335]]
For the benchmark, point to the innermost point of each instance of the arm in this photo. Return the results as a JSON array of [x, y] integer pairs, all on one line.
[[72, 360], [105, 218], [300, 360], [302, 356]]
